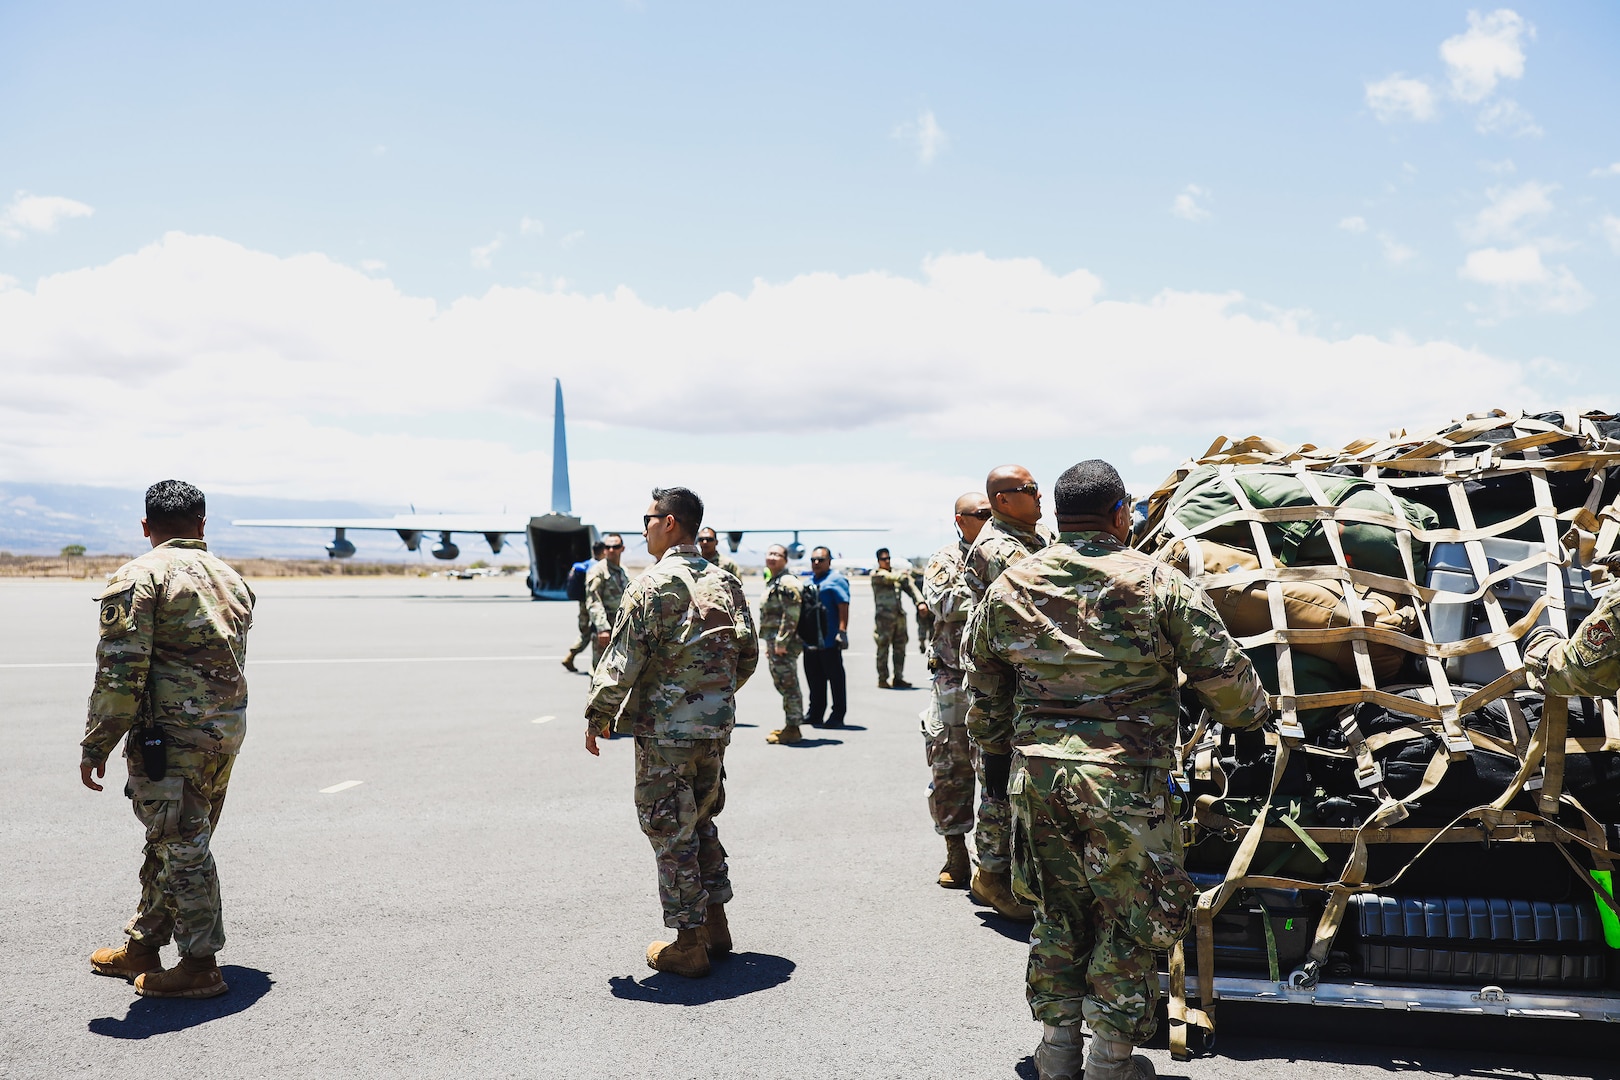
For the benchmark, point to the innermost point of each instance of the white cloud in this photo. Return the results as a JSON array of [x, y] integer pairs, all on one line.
[[1524, 282], [1395, 252], [1399, 98], [38, 213], [1491, 49], [1608, 170], [531, 227], [373, 266], [1509, 210], [925, 134], [1355, 224], [1505, 116], [483, 254], [7, 282], [572, 238], [1505, 167], [1155, 455], [1609, 227], [1190, 204]]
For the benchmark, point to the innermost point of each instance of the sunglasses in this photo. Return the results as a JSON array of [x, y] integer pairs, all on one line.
[[982, 515], [818, 558], [648, 519], [612, 547], [1031, 488]]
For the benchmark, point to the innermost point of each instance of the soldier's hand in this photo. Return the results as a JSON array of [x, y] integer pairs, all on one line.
[[922, 609], [602, 638], [590, 744], [85, 769], [779, 649]]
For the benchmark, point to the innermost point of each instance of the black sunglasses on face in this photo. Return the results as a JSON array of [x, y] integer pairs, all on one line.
[[1031, 488], [982, 515], [612, 547], [818, 558], [648, 519]]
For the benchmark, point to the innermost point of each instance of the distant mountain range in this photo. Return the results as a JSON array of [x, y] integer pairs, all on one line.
[[42, 519]]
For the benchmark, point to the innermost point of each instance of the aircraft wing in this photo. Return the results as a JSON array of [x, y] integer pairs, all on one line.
[[462, 523]]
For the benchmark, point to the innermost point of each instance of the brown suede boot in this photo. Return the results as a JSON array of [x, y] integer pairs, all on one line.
[[957, 869], [192, 977], [126, 961], [568, 662], [996, 891], [687, 955], [787, 736], [718, 930]]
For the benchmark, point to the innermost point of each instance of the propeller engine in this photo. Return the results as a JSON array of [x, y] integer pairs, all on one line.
[[445, 548], [734, 540], [412, 538], [496, 542], [340, 547]]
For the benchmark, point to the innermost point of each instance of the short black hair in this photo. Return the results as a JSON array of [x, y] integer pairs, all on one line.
[[828, 550], [683, 504], [1090, 489], [175, 503], [712, 534], [598, 547], [882, 553]]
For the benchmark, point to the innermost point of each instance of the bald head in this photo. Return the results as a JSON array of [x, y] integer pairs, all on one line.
[[1014, 494], [972, 511]]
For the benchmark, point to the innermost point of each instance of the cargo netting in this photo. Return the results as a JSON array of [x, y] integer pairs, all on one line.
[[1383, 590]]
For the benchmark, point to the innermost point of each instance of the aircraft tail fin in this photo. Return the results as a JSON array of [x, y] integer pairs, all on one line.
[[561, 500]]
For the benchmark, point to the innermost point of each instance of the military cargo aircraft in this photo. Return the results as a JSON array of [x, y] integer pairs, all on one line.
[[556, 540]]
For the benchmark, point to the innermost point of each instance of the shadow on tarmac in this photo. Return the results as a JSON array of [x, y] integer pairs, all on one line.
[[804, 744], [1007, 928], [159, 1016], [732, 977]]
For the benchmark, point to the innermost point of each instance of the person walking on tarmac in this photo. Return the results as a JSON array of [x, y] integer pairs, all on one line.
[[1073, 659], [709, 547], [889, 618], [1013, 532], [604, 590], [674, 663], [170, 682], [580, 571], [824, 663], [952, 759]]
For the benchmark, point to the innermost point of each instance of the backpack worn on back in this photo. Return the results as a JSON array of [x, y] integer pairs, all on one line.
[[810, 624], [576, 583]]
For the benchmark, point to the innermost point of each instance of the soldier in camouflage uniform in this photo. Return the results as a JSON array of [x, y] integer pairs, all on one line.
[[1013, 532], [1587, 664], [779, 630], [583, 567], [952, 758], [1073, 660], [889, 619], [683, 644], [170, 682], [709, 548], [604, 591], [925, 615]]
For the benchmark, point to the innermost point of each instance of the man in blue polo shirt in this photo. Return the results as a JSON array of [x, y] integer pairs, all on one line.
[[576, 591], [825, 665]]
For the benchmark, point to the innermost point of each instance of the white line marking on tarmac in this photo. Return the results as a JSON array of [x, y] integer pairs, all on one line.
[[544, 719], [345, 786], [327, 660]]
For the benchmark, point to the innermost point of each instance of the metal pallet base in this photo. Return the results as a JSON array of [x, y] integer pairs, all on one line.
[[1600, 1004]]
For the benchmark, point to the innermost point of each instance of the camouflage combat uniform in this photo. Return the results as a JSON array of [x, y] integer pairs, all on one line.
[[1586, 665], [779, 621], [925, 619], [1072, 662], [889, 619], [1000, 543], [604, 591], [953, 760], [683, 644], [729, 566], [174, 626]]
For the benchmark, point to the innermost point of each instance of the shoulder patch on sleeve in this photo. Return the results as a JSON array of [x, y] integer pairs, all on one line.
[[117, 616], [1598, 636]]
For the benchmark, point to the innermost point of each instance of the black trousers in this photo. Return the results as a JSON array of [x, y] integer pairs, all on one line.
[[821, 668]]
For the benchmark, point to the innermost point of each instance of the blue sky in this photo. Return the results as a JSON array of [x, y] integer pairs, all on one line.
[[1329, 167]]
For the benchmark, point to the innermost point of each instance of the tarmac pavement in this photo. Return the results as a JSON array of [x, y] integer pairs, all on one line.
[[426, 875]]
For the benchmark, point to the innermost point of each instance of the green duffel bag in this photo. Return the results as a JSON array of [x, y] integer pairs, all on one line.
[[1201, 497], [1312, 675]]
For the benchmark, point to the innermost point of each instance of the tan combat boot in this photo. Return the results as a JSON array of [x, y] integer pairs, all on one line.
[[1111, 1059], [718, 930], [126, 961], [787, 736], [996, 891], [192, 977], [883, 682], [1061, 1054], [687, 955], [568, 662], [957, 869]]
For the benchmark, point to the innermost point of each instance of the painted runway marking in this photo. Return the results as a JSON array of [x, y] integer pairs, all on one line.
[[329, 660], [543, 719], [345, 786]]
